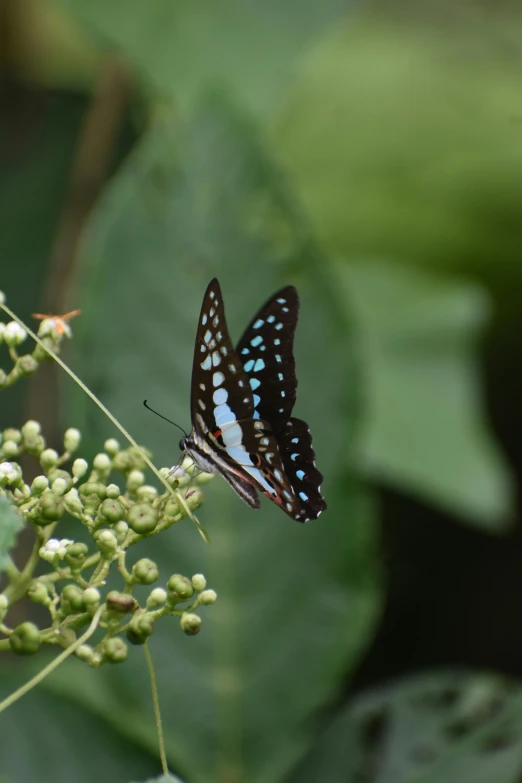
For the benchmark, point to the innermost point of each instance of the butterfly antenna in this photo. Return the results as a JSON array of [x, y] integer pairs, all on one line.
[[165, 418]]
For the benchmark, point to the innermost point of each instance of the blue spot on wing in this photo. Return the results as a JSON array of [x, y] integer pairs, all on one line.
[[256, 341], [258, 324], [258, 366], [254, 383], [248, 366], [300, 475], [303, 496]]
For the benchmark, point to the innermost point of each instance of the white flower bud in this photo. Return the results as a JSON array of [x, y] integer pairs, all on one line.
[[102, 462], [72, 499], [5, 468], [71, 439], [157, 598], [111, 446], [10, 448], [135, 479], [31, 428], [121, 529], [207, 597], [199, 582], [84, 652], [39, 485], [59, 486], [79, 468], [48, 458], [91, 596], [14, 334], [112, 491]]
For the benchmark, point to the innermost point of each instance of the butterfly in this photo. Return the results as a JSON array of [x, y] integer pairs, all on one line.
[[241, 405]]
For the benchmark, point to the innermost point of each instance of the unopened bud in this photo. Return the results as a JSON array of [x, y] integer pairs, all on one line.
[[190, 624], [199, 582], [102, 463], [145, 571], [79, 468], [48, 458], [157, 598], [207, 597], [71, 439], [111, 446]]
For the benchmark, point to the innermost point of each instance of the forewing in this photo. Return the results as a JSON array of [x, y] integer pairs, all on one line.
[[220, 391], [266, 352]]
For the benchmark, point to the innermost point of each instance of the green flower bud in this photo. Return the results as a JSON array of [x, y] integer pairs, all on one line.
[[111, 446], [134, 480], [171, 509], [142, 518], [38, 593], [31, 429], [4, 606], [115, 650], [207, 597], [122, 603], [92, 488], [146, 493], [122, 461], [34, 445], [106, 541], [102, 463], [91, 599], [76, 554], [71, 599], [140, 628], [25, 639], [12, 434], [59, 486], [40, 354], [79, 468], [181, 587], [73, 502], [71, 439], [39, 485], [199, 582], [145, 572], [190, 623], [121, 529], [60, 474], [10, 449], [203, 478], [50, 508], [157, 598], [113, 491], [48, 459], [194, 498], [85, 653], [112, 510], [27, 364], [14, 334]]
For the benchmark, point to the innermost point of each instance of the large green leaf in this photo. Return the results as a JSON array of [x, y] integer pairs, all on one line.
[[434, 728], [46, 738], [10, 524], [423, 427], [247, 49], [296, 603]]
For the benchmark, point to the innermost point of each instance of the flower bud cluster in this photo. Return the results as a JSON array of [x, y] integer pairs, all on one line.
[[115, 512]]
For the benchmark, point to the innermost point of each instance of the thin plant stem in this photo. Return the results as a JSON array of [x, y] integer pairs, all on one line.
[[157, 713]]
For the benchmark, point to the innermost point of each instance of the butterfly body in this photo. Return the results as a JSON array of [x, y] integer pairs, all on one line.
[[241, 404]]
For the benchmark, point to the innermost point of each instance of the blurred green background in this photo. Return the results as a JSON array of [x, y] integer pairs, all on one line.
[[371, 154]]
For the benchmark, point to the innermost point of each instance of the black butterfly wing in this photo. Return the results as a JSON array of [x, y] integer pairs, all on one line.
[[298, 457], [266, 352], [220, 391]]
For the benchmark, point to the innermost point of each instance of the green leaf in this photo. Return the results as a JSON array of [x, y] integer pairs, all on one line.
[[11, 522], [48, 738], [436, 728], [165, 779], [424, 427], [247, 50], [296, 604]]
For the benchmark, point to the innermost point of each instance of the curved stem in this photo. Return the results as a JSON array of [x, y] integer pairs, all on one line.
[[106, 411], [157, 713], [53, 665]]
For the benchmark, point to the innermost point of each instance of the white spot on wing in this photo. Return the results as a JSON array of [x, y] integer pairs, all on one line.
[[207, 363]]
